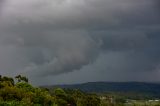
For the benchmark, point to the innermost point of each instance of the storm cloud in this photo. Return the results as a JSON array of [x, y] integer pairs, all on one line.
[[66, 38]]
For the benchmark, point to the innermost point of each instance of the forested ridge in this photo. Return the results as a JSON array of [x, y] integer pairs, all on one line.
[[152, 89]]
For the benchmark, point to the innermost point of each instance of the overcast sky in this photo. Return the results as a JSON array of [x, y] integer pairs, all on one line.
[[76, 41]]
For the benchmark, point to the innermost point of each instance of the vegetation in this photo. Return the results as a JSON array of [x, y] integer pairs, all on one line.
[[22, 93], [136, 90], [19, 92]]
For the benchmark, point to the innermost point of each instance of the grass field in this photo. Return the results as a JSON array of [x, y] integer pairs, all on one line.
[[142, 103]]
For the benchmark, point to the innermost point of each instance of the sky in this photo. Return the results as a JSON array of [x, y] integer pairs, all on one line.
[[77, 41]]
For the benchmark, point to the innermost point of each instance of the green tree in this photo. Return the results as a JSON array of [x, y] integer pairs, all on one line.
[[21, 78], [7, 80]]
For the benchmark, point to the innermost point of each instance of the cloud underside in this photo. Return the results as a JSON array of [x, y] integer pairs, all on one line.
[[87, 37]]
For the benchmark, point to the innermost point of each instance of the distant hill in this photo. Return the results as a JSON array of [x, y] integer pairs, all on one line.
[[103, 87]]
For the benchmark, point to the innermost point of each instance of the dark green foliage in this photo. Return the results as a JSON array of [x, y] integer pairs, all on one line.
[[7, 80], [21, 78], [22, 93], [25, 86], [79, 98], [89, 100], [59, 92]]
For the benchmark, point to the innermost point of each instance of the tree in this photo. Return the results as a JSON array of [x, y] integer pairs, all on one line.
[[0, 77], [61, 97], [59, 92], [8, 80], [18, 77], [25, 79], [21, 78]]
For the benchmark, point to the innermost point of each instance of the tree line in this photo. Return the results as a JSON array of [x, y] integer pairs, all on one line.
[[18, 92]]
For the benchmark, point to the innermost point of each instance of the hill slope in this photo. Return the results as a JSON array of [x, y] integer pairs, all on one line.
[[102, 87]]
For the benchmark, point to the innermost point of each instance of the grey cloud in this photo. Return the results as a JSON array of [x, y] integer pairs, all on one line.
[[142, 48], [54, 37], [121, 40], [55, 52], [1, 5], [88, 14], [69, 52]]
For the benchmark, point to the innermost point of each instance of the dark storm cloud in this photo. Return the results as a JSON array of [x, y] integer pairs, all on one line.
[[140, 48], [53, 37]]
